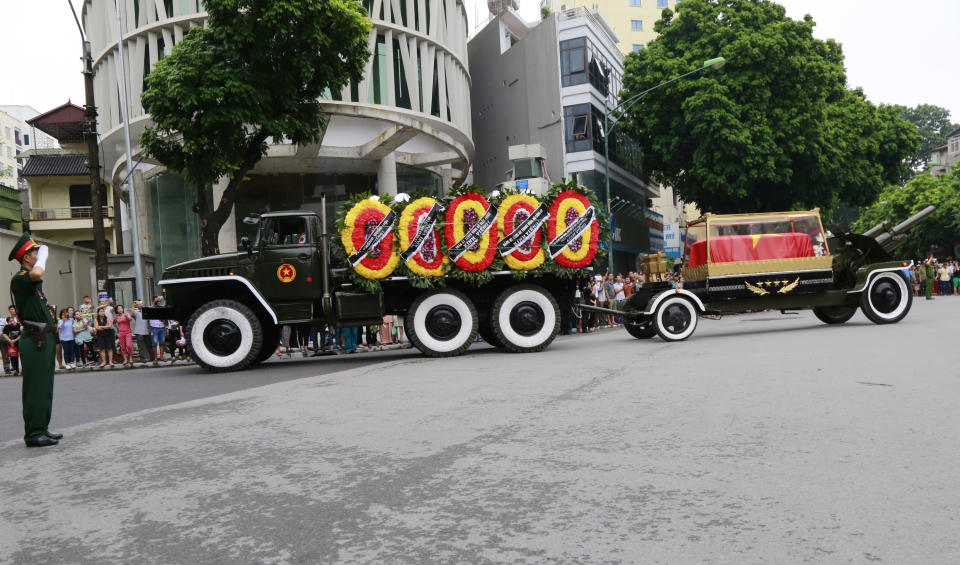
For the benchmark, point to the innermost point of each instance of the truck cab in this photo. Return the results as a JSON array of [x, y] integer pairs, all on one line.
[[233, 305]]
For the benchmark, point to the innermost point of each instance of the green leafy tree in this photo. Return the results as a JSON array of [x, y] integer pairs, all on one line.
[[254, 73], [896, 203], [775, 129], [933, 124]]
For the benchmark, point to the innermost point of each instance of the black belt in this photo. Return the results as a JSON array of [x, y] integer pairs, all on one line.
[[37, 331]]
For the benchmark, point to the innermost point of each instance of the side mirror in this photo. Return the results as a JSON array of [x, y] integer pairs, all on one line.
[[245, 243]]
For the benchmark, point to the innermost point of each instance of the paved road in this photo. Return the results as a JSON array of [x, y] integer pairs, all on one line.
[[762, 439], [88, 396]]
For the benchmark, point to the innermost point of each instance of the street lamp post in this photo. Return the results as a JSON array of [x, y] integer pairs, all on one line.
[[131, 192], [714, 63]]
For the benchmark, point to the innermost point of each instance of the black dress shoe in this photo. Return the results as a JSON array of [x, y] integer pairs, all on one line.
[[42, 441], [57, 437]]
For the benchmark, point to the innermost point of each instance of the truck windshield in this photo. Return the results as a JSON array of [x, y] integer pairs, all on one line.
[[288, 230]]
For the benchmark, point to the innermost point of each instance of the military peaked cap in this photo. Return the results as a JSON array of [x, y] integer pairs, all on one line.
[[24, 244]]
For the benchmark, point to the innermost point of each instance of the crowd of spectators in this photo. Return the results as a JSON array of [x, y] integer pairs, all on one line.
[[945, 277], [100, 336], [607, 291]]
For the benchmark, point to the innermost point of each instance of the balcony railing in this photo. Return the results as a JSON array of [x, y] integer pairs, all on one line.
[[71, 213]]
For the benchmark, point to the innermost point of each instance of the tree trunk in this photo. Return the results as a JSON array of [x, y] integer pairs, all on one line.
[[212, 219]]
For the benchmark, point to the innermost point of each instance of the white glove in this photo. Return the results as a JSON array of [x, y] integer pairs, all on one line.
[[42, 257]]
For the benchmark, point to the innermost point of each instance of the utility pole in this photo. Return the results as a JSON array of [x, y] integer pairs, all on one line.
[[93, 162]]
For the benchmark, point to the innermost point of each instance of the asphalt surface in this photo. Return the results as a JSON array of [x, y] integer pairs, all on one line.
[[90, 395], [762, 439]]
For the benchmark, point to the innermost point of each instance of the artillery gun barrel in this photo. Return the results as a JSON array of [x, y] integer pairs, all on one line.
[[881, 227], [888, 240]]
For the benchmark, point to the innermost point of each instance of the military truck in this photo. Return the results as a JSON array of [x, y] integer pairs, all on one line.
[[233, 305]]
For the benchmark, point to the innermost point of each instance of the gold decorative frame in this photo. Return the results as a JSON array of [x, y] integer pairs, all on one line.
[[762, 266], [711, 269]]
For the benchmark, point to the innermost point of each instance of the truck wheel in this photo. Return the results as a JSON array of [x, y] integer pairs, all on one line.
[[886, 300], [486, 332], [442, 323], [525, 318], [224, 335], [271, 339], [675, 319], [834, 314], [641, 330]]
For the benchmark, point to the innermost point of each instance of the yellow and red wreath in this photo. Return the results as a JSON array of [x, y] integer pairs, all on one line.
[[513, 211], [429, 261], [361, 220], [567, 207], [462, 214]]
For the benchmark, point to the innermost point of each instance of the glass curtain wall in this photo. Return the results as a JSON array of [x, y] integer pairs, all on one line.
[[174, 226]]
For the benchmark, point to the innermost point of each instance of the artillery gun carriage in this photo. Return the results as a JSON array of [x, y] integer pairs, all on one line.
[[780, 261]]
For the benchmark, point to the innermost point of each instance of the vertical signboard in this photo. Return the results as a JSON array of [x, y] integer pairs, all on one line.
[[655, 224], [671, 239]]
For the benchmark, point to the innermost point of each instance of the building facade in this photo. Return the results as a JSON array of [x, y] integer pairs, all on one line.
[[405, 126], [549, 84], [59, 183], [631, 20], [16, 137], [944, 159]]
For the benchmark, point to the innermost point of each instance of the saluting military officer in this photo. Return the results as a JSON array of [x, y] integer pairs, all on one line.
[[37, 350]]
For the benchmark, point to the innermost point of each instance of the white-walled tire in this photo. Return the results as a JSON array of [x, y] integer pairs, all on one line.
[[224, 335], [887, 298], [271, 340], [486, 332], [675, 318], [525, 318], [442, 323]]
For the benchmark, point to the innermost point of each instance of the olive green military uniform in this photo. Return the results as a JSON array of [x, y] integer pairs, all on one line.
[[37, 365], [930, 273]]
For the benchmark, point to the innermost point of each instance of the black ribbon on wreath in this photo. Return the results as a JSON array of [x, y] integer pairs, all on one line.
[[425, 225], [573, 231], [474, 234], [373, 239]]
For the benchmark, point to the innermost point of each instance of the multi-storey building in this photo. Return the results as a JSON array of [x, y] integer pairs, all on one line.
[[944, 159], [405, 126], [549, 84], [17, 136], [59, 183], [631, 20]]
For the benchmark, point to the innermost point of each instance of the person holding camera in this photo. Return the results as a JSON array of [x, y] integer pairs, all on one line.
[[141, 333]]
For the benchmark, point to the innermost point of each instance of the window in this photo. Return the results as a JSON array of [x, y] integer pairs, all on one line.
[[576, 125], [168, 7], [81, 202], [9, 134], [636, 25], [635, 3], [9, 152], [573, 61], [16, 137], [637, 47], [661, 3], [599, 75], [26, 139]]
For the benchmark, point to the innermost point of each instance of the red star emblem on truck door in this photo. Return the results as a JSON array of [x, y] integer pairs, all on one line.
[[286, 272]]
